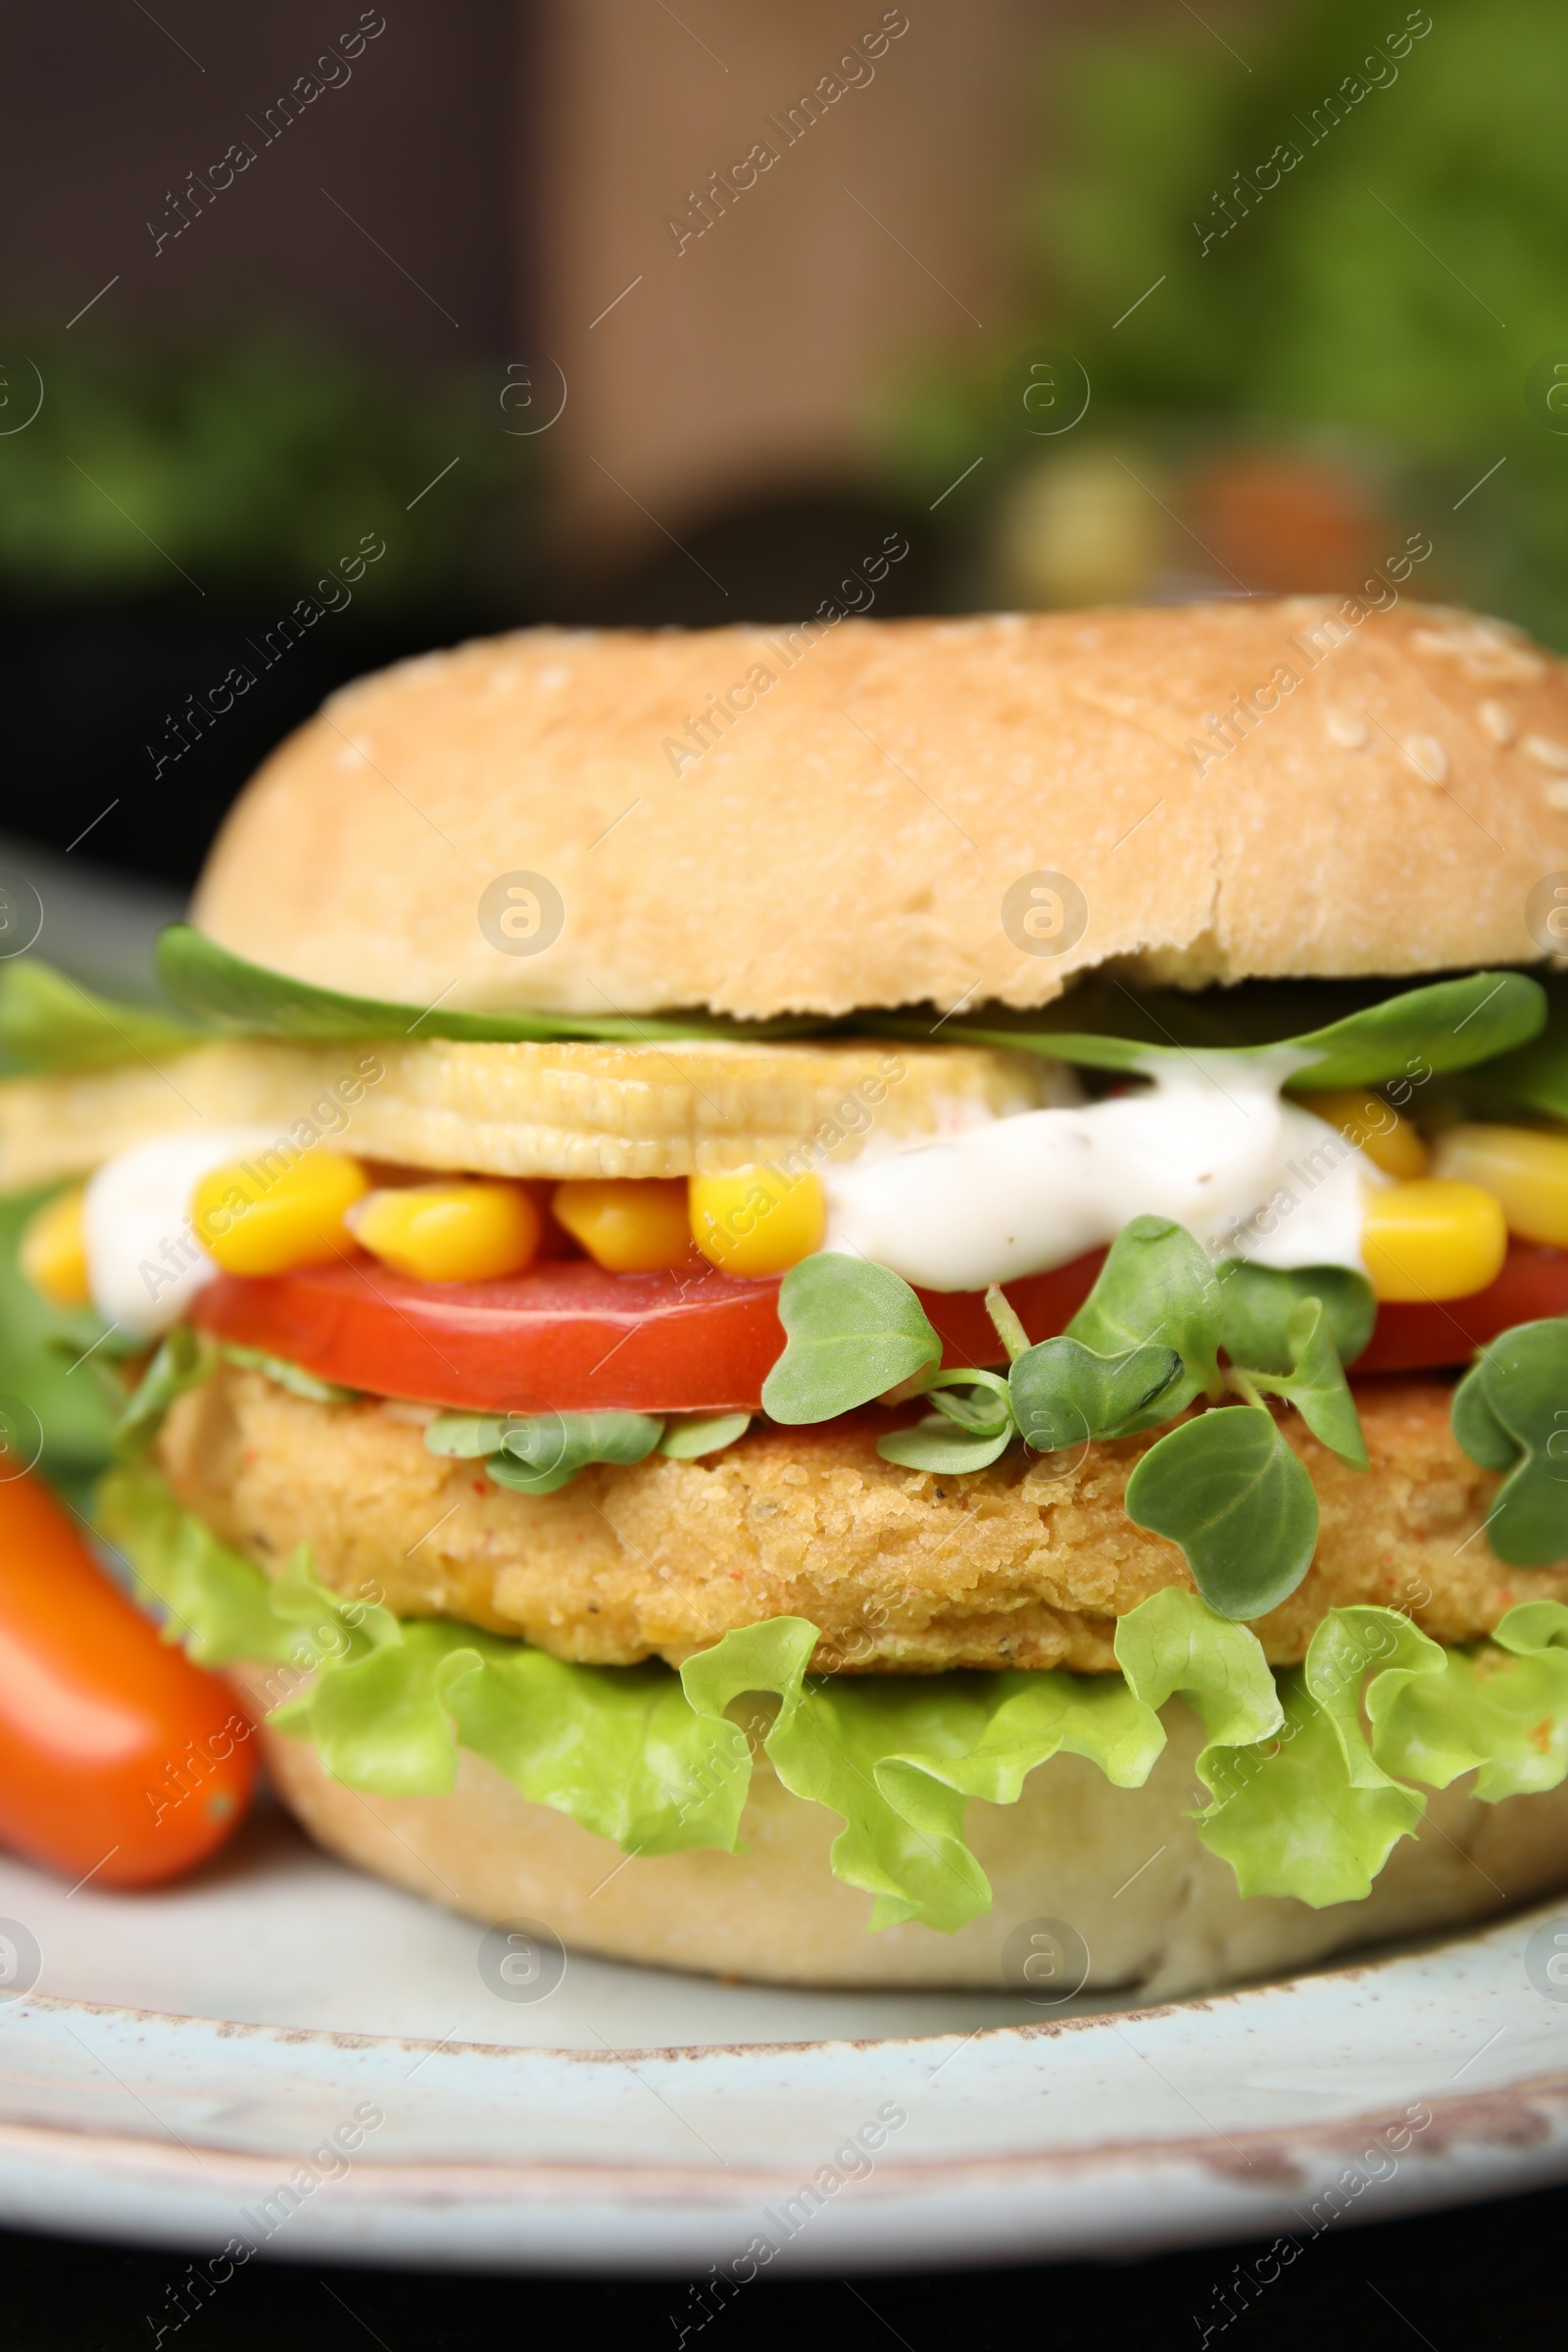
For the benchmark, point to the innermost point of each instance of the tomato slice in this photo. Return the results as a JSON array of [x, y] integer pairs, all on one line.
[[568, 1335], [119, 1760], [1533, 1282]]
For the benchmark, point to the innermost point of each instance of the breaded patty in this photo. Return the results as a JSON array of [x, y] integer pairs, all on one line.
[[1026, 1565]]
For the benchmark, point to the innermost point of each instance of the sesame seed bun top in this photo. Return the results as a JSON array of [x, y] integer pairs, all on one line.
[[826, 815]]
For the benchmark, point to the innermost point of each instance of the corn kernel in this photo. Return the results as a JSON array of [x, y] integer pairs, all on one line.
[[1374, 1127], [53, 1250], [633, 1225], [1433, 1239], [1528, 1172], [460, 1232], [757, 1221], [255, 1222]]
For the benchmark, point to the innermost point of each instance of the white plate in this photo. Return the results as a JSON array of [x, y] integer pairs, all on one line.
[[184, 2054]]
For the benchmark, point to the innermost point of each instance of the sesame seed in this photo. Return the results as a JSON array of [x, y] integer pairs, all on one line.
[[1346, 729], [1427, 756]]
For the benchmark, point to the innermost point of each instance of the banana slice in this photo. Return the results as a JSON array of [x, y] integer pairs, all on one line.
[[527, 1110]]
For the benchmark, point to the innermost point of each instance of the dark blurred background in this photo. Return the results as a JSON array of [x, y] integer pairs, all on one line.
[[360, 332]]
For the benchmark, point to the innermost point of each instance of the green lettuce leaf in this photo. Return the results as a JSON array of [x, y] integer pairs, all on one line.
[[379, 1722], [620, 1749], [1317, 1812], [390, 1702], [1500, 1710], [1284, 1816], [214, 1603], [1303, 1803], [897, 1757], [1172, 1642]]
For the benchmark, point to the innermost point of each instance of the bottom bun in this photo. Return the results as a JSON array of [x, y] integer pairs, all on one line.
[[1121, 1868]]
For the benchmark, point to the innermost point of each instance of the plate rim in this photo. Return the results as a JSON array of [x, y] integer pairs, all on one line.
[[974, 2207]]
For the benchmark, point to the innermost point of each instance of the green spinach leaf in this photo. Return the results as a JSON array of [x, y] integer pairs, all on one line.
[[691, 1436], [1535, 1074], [1257, 1303], [464, 1437], [1230, 1492], [1157, 1285], [853, 1330], [207, 980], [1064, 1393], [1475, 1427], [967, 1430], [686, 1438], [985, 1413], [293, 1377], [1316, 1385], [48, 1022], [1519, 1389], [1452, 1024], [940, 1444], [545, 1452]]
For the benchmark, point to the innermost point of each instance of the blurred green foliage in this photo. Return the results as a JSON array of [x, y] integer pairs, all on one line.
[[1394, 287], [251, 462]]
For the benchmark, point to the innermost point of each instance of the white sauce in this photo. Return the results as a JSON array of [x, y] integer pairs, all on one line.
[[144, 1263], [1209, 1143]]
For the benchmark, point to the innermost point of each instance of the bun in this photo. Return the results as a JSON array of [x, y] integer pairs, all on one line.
[[1121, 1867], [1376, 793]]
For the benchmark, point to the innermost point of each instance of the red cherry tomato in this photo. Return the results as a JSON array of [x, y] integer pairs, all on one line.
[[569, 1336], [118, 1758]]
